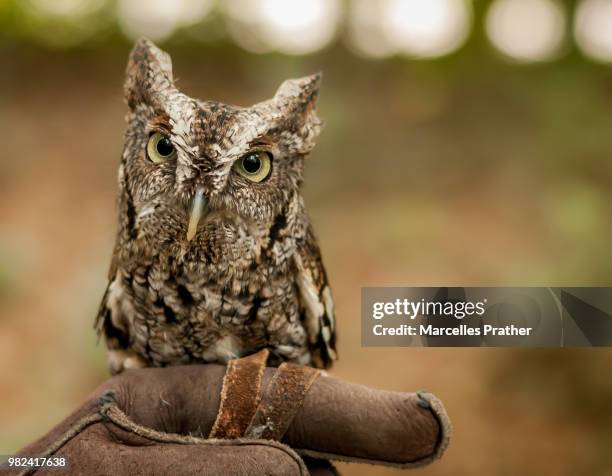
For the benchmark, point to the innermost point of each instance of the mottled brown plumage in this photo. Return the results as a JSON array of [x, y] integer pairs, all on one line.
[[248, 275]]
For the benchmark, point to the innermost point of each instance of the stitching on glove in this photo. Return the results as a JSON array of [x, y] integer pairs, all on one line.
[[446, 429], [76, 428]]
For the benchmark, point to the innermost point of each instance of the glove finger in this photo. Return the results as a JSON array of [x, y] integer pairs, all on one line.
[[345, 421]]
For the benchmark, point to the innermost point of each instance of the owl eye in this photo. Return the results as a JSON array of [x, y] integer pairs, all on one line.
[[254, 166], [159, 148]]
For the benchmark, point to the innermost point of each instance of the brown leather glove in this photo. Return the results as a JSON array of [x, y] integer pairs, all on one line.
[[213, 419]]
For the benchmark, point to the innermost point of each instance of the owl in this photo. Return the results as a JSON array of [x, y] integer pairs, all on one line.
[[215, 257]]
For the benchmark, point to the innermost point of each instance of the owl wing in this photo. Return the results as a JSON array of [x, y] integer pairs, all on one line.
[[104, 323], [316, 302]]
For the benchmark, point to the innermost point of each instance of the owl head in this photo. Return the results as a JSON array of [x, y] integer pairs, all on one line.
[[187, 161]]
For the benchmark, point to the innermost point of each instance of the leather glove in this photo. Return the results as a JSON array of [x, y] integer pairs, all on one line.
[[239, 419]]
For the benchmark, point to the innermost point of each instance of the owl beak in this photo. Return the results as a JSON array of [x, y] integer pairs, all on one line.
[[197, 209]]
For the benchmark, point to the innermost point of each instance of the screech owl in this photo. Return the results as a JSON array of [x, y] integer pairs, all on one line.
[[215, 257]]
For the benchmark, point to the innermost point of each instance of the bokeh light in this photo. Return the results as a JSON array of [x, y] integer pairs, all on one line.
[[155, 19], [158, 19], [65, 8], [242, 18], [522, 30], [194, 11], [366, 29], [65, 23], [427, 28], [293, 27], [299, 26], [526, 30], [593, 28]]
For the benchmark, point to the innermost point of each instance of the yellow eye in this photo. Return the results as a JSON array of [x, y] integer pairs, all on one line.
[[255, 166], [159, 148]]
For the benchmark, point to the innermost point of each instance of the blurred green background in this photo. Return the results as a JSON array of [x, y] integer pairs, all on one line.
[[464, 145]]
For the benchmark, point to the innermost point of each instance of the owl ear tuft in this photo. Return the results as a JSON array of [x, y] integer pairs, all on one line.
[[299, 95], [297, 100], [148, 74]]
